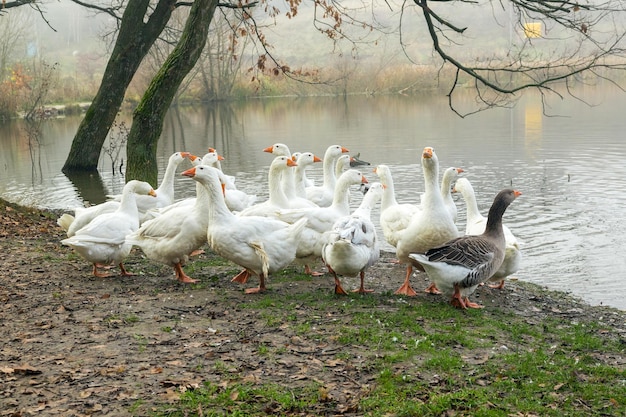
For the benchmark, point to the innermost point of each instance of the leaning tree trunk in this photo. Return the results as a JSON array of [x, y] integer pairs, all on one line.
[[133, 42], [148, 117]]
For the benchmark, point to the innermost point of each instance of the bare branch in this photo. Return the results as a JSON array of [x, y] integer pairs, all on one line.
[[112, 11], [522, 70]]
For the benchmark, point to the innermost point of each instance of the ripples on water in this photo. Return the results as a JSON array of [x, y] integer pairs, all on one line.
[[571, 172]]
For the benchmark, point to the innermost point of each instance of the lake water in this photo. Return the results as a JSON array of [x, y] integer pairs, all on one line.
[[570, 165]]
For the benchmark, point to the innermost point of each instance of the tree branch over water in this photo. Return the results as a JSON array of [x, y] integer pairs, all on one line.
[[586, 39]]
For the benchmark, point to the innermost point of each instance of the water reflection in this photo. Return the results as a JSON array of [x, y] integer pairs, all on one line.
[[89, 186], [570, 168]]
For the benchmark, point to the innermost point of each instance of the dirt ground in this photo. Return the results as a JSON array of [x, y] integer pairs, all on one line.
[[76, 345]]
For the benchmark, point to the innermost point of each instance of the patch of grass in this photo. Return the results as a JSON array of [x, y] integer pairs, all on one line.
[[421, 370], [142, 341], [243, 399]]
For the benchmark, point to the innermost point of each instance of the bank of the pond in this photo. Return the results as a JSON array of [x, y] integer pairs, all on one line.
[[76, 345]]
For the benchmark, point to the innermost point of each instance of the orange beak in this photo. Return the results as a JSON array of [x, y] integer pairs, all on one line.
[[363, 180], [185, 154], [269, 149], [152, 193], [344, 150], [220, 157], [517, 193], [212, 150], [459, 170], [192, 157], [428, 152], [316, 159], [291, 163], [191, 172]]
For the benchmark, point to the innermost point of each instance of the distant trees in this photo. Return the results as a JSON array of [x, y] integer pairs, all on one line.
[[541, 44]]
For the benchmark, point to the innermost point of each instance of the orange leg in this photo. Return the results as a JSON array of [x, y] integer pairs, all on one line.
[[457, 299], [361, 289], [125, 273], [309, 271], [470, 304], [241, 277], [181, 276], [432, 289], [98, 274], [405, 288], [197, 252], [498, 286], [261, 288]]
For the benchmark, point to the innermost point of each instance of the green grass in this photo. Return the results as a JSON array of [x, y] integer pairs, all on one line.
[[418, 358]]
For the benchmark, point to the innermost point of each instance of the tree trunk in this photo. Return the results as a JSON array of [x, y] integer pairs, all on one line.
[[133, 42], [148, 117]]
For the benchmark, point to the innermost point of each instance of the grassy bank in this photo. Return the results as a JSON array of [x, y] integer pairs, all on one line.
[[149, 346]]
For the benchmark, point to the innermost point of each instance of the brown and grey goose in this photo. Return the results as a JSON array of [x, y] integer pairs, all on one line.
[[460, 265]]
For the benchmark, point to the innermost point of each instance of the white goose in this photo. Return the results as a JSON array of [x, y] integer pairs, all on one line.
[[429, 227], [102, 241], [304, 160], [261, 245], [277, 198], [83, 215], [394, 217], [287, 178], [165, 191], [323, 195], [180, 230], [228, 180], [450, 175], [460, 265], [476, 224], [236, 200], [321, 219], [352, 246]]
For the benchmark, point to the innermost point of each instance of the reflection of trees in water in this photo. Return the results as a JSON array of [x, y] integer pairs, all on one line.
[[218, 131], [89, 186], [33, 133], [219, 126], [116, 142]]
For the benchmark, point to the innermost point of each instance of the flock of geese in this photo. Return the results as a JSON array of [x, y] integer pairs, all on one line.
[[304, 223]]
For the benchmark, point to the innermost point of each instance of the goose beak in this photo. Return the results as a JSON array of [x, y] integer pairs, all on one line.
[[191, 172], [294, 158], [316, 159], [192, 157], [363, 179], [517, 193], [427, 153], [459, 170], [152, 193], [344, 150], [291, 163], [220, 157], [185, 154], [269, 149]]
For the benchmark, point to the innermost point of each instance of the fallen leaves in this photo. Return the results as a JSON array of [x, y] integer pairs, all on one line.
[[24, 369]]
